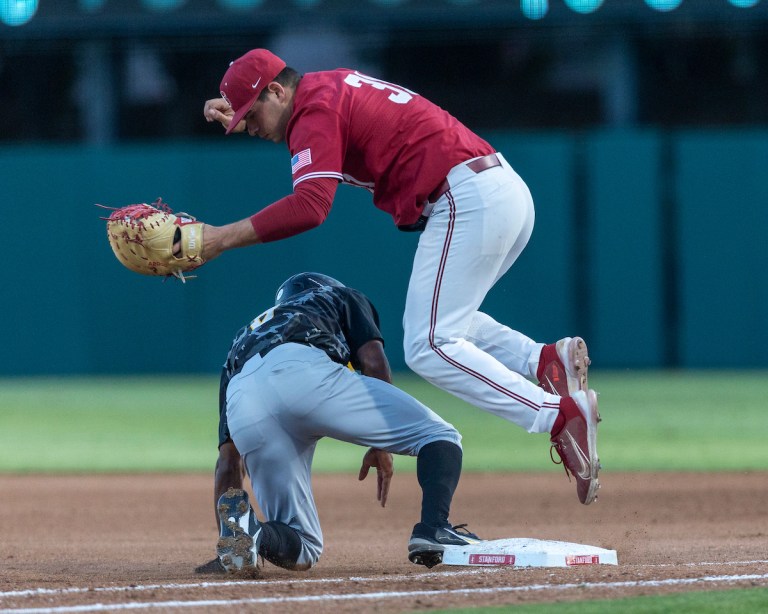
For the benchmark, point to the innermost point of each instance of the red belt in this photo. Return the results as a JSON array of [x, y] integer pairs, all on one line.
[[478, 166]]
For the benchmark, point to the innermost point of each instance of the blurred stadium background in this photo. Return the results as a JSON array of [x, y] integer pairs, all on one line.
[[640, 126]]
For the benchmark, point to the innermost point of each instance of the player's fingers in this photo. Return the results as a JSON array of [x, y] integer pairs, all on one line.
[[385, 469], [385, 464], [363, 470], [239, 128], [217, 116], [211, 114], [215, 108], [384, 481]]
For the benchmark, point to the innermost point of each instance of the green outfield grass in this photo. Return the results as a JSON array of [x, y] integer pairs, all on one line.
[[744, 601], [652, 421]]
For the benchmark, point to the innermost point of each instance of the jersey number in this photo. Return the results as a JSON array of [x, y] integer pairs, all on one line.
[[399, 95]]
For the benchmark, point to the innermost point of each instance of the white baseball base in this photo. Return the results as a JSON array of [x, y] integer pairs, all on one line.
[[526, 552]]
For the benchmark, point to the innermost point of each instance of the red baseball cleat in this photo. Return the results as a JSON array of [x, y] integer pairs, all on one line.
[[566, 370], [576, 445]]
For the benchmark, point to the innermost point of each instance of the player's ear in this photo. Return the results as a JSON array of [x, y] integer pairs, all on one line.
[[277, 89]]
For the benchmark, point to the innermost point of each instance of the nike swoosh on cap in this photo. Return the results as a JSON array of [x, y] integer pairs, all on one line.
[[255, 85]]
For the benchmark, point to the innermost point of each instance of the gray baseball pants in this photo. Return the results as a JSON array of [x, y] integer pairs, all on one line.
[[281, 405]]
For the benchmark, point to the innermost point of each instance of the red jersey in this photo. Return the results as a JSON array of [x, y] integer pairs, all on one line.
[[365, 132]]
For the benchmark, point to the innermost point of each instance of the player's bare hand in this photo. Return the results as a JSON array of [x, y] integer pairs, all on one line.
[[385, 468], [218, 110]]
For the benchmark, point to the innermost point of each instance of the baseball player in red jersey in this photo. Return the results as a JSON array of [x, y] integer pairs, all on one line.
[[475, 214]]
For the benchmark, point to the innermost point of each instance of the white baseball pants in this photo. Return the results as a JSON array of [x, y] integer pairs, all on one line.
[[476, 231]]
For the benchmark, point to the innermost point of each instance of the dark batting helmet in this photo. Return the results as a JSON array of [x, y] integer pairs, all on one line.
[[303, 281]]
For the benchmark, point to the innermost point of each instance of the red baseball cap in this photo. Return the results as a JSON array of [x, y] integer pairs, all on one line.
[[246, 78]]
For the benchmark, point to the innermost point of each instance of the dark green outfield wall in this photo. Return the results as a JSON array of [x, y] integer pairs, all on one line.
[[652, 246]]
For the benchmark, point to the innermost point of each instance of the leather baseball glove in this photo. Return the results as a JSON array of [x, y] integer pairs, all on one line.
[[142, 237]]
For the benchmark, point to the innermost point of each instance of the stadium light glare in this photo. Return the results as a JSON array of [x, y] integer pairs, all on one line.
[[584, 6], [163, 5], [664, 5], [534, 9], [743, 4], [240, 5], [17, 12]]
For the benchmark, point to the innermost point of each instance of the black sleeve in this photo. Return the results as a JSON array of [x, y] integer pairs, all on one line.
[[362, 322], [224, 435]]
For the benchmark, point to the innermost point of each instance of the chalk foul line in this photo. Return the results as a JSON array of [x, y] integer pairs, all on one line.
[[390, 595], [351, 596]]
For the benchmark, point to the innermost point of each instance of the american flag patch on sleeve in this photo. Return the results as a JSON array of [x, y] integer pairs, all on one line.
[[300, 160]]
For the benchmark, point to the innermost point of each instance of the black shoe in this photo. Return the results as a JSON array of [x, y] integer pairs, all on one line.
[[211, 567], [427, 543], [240, 536]]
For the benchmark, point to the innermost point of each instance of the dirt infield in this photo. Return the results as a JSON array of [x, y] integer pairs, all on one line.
[[120, 541]]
